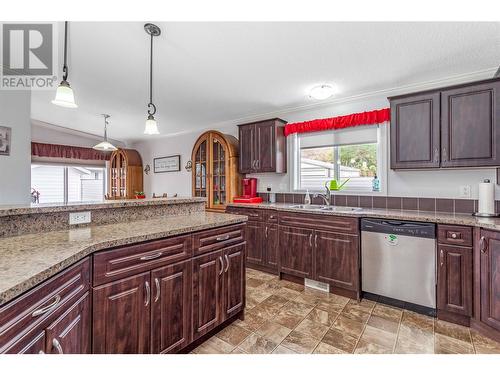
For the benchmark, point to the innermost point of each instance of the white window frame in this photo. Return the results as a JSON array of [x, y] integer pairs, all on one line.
[[382, 158]]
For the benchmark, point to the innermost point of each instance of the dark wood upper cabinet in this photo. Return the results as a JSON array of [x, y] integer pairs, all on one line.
[[207, 292], [263, 147], [468, 126], [171, 307], [336, 260], [121, 316], [415, 132], [454, 284], [489, 247], [234, 280], [448, 127]]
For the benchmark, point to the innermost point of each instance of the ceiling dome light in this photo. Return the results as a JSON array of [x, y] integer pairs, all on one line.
[[105, 145], [322, 92], [64, 94], [151, 125]]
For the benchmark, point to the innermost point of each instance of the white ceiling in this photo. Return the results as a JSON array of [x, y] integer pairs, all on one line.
[[209, 73]]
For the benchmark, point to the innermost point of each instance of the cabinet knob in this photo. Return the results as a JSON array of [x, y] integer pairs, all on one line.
[[453, 235]]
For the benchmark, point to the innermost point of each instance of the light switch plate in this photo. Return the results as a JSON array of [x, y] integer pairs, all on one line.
[[83, 217], [465, 191]]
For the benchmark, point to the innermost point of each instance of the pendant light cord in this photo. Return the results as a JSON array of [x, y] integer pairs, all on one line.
[[150, 104], [65, 66]]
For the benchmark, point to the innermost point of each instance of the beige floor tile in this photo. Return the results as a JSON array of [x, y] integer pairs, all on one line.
[[287, 318], [324, 348], [366, 347], [410, 346], [255, 344], [381, 338], [274, 332], [233, 334], [322, 317], [293, 286], [355, 313], [258, 294], [300, 343], [276, 301], [289, 294], [417, 321], [383, 324], [254, 283], [447, 345], [387, 312], [308, 299], [299, 308], [452, 330], [266, 312], [349, 326], [283, 350], [252, 322], [333, 306], [364, 305], [214, 345], [340, 340], [313, 329], [484, 345], [238, 351]]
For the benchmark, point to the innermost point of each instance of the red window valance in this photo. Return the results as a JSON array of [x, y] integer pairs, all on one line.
[[68, 152], [356, 119]]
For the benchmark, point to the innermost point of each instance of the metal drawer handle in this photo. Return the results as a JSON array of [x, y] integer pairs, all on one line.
[[221, 266], [310, 240], [316, 240], [152, 256], [482, 245], [223, 238], [436, 155], [58, 346], [148, 293], [157, 284], [227, 262], [441, 257], [266, 231], [47, 308]]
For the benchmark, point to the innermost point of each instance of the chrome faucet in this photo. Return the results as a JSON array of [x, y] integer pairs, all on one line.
[[326, 197]]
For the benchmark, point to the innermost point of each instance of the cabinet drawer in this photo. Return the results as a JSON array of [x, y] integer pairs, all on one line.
[[254, 214], [42, 303], [321, 222], [110, 265], [215, 239], [271, 217], [455, 235]]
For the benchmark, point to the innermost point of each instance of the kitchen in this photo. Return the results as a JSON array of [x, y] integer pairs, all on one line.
[[148, 207]]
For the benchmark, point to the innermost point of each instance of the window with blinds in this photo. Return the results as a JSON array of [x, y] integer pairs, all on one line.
[[341, 154]]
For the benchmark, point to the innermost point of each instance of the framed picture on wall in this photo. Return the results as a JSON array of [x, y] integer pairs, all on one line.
[[5, 137], [167, 164]]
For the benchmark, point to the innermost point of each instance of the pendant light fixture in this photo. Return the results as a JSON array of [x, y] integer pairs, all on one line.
[[105, 145], [151, 125], [64, 93]]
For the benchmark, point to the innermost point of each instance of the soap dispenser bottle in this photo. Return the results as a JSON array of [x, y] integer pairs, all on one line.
[[307, 198]]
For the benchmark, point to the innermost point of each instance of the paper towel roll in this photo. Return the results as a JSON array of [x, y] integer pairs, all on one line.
[[486, 198]]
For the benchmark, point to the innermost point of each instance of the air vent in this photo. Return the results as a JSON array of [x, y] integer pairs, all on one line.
[[324, 287]]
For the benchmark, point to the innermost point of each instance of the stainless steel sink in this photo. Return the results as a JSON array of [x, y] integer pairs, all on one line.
[[340, 209], [308, 206]]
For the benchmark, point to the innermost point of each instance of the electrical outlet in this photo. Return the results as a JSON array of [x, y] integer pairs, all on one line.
[[465, 191], [79, 217]]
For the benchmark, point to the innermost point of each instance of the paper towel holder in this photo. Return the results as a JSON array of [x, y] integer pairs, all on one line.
[[481, 214]]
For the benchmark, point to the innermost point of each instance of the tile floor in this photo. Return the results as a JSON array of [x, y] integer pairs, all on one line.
[[285, 318]]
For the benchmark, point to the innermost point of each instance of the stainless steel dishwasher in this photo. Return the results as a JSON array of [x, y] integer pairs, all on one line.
[[398, 260]]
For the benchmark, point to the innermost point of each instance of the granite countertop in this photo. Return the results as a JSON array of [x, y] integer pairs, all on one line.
[[427, 216], [27, 260], [26, 209]]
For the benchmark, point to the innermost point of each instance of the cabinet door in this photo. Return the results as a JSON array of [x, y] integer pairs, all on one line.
[[415, 132], [234, 280], [470, 135], [336, 260], [70, 332], [296, 249], [121, 319], [490, 278], [171, 307], [254, 233], [207, 292], [271, 246], [247, 148], [31, 343], [265, 147], [454, 291]]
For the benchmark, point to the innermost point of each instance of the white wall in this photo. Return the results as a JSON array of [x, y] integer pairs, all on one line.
[[435, 183], [15, 169]]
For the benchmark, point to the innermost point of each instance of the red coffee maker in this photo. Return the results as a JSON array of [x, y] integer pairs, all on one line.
[[249, 192]]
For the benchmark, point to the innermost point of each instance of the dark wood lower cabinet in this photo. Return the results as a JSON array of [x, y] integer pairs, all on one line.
[[121, 316], [171, 307], [336, 259], [454, 284], [271, 246], [207, 292], [254, 239], [234, 281], [489, 248], [296, 251], [32, 343]]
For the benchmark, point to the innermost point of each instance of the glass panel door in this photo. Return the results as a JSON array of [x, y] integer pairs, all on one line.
[[219, 173], [200, 165], [113, 178]]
